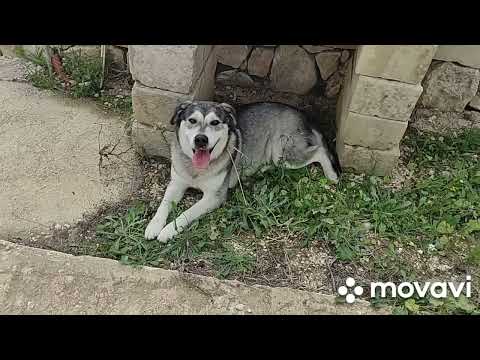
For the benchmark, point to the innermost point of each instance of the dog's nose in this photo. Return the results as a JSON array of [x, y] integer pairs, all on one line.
[[201, 141]]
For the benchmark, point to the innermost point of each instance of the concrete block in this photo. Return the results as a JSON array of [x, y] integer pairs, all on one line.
[[405, 63], [155, 107], [343, 102], [168, 67], [468, 55], [387, 99], [152, 142], [370, 131], [362, 159]]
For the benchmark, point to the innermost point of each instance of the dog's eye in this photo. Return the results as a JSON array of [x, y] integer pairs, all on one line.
[[215, 123], [192, 121]]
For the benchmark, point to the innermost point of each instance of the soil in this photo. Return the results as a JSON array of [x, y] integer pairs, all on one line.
[[281, 260]]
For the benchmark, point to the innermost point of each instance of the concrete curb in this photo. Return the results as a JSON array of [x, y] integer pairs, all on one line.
[[37, 281]]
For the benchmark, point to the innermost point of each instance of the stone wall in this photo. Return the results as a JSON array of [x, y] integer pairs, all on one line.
[[164, 77], [451, 95], [379, 95], [374, 91], [300, 70]]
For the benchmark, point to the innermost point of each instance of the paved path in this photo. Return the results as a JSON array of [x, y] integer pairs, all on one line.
[[49, 156], [49, 173]]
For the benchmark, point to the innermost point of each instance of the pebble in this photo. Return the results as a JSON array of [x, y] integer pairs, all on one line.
[[58, 227], [239, 307]]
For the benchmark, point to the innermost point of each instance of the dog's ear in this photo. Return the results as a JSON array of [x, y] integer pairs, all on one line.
[[231, 115], [179, 110]]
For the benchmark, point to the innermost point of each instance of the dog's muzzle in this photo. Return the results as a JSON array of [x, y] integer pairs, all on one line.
[[201, 141]]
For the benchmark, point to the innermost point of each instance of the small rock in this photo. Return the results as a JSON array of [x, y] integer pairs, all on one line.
[[232, 55], [235, 77], [449, 87], [240, 307], [58, 227], [327, 63]]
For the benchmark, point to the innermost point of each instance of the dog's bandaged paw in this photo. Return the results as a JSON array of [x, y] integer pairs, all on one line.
[[153, 229]]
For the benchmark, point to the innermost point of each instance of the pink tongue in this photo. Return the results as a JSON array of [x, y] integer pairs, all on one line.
[[201, 159]]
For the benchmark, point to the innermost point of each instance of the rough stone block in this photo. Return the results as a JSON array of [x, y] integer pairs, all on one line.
[[468, 55], [235, 78], [152, 142], [293, 70], [260, 61], [344, 99], [361, 159], [327, 63], [449, 87], [232, 55], [168, 67], [313, 49], [371, 131], [155, 107], [387, 99], [475, 102], [405, 63], [348, 47]]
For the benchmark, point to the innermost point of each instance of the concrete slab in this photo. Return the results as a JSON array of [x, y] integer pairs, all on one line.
[[49, 156], [36, 281]]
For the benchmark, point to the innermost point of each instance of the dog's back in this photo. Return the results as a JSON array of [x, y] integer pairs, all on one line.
[[272, 133]]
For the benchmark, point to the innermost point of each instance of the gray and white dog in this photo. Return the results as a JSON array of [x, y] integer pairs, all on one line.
[[214, 147]]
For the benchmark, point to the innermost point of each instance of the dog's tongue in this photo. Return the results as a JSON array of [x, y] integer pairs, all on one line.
[[201, 159]]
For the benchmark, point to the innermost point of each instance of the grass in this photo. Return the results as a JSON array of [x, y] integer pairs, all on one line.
[[364, 221], [85, 72]]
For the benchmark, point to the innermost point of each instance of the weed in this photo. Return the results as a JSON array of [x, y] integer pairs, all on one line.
[[84, 71], [361, 218]]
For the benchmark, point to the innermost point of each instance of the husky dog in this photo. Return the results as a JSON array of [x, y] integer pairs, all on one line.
[[214, 148]]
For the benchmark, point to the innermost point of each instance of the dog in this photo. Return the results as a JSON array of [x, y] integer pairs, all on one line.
[[214, 148]]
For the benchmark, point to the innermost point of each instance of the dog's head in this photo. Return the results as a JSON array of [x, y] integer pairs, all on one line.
[[203, 130]]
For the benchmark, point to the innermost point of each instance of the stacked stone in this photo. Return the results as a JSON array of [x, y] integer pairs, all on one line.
[[285, 68], [165, 76], [381, 89], [451, 87]]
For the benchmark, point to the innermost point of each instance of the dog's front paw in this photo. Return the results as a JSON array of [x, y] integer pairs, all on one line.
[[167, 233], [153, 229]]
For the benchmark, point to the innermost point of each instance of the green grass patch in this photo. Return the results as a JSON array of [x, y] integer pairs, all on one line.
[[84, 70], [436, 214]]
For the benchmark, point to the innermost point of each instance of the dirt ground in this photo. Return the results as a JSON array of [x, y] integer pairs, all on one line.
[[280, 260]]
